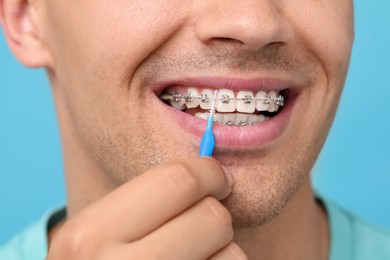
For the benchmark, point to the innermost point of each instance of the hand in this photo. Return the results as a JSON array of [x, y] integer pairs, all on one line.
[[170, 212]]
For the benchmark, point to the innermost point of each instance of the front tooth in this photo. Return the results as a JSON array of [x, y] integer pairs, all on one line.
[[241, 119], [204, 116], [218, 118], [206, 97], [260, 104], [229, 119], [245, 102], [225, 101], [272, 105], [194, 100]]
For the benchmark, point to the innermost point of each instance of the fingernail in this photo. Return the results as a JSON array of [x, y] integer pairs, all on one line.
[[229, 178], [237, 252]]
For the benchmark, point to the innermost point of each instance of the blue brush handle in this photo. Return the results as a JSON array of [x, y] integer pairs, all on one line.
[[208, 140]]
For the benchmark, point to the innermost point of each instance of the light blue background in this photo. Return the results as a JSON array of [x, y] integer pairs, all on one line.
[[353, 170]]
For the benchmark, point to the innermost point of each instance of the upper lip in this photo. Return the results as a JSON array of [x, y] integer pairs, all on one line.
[[235, 84]]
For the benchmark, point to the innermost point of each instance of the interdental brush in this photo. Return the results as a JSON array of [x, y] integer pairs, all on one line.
[[207, 143]]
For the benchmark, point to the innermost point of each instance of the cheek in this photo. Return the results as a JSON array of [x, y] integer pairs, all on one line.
[[97, 46], [325, 28], [105, 40]]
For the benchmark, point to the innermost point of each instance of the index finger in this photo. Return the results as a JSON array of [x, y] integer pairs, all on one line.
[[142, 205]]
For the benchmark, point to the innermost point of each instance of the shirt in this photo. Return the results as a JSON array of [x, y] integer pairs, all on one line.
[[351, 238]]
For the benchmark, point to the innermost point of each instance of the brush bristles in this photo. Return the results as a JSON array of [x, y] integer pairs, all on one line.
[[212, 109]]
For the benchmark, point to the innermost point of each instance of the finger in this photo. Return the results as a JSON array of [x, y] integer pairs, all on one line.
[[196, 234], [145, 203], [231, 252]]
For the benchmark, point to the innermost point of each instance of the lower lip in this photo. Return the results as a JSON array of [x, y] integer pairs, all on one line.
[[233, 137]]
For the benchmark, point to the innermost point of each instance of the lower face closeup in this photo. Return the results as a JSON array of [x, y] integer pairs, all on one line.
[[136, 78]]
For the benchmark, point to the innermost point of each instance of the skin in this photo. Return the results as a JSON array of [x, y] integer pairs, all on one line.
[[120, 156]]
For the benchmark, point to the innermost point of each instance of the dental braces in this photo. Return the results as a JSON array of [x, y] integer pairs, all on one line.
[[240, 123], [205, 98]]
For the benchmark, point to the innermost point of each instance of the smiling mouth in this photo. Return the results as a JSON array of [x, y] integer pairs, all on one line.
[[241, 108], [250, 113]]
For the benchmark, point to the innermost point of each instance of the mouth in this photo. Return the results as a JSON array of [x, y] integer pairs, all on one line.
[[249, 113]]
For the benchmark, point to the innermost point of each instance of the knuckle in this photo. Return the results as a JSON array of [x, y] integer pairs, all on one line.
[[183, 178], [75, 242]]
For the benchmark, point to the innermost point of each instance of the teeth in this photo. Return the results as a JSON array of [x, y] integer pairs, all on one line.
[[191, 98], [256, 119], [228, 119], [237, 119], [225, 101], [178, 105], [177, 101], [245, 102], [218, 118], [202, 115], [206, 96], [241, 119], [272, 105], [261, 104], [176, 97], [280, 101]]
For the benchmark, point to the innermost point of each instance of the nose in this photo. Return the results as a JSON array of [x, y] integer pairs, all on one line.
[[250, 24]]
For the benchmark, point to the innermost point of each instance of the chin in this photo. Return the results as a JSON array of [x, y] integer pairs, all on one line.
[[261, 193]]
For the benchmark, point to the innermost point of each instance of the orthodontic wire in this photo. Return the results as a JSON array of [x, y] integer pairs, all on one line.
[[279, 100]]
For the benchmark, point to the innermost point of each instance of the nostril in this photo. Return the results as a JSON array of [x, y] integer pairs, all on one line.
[[246, 25], [224, 40]]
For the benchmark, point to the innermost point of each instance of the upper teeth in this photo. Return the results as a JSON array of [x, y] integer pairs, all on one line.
[[226, 100], [245, 102]]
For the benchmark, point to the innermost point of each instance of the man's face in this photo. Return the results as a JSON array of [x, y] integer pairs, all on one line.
[[114, 59]]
